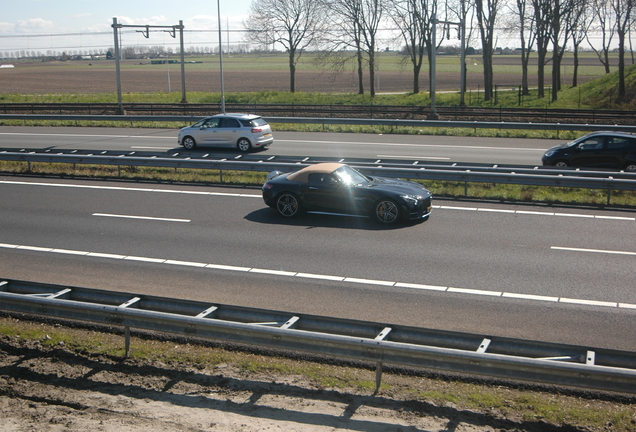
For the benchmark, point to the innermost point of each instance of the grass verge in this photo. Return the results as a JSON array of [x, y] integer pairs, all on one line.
[[535, 406], [446, 189]]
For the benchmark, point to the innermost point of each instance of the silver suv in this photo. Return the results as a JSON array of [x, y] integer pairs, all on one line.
[[243, 131]]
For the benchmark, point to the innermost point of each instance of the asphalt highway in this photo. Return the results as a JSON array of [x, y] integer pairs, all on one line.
[[556, 274], [343, 145]]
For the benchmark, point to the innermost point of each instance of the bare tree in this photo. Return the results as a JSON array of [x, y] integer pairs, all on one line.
[[295, 24], [604, 26], [623, 13], [522, 22], [413, 20], [464, 11], [542, 18], [582, 18], [347, 20], [361, 19], [560, 33], [487, 11]]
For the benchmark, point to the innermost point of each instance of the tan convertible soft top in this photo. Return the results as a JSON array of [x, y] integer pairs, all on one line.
[[302, 175]]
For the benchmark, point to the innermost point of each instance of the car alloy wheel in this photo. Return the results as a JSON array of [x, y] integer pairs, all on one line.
[[561, 164], [287, 204], [243, 144], [189, 143], [630, 167], [386, 211]]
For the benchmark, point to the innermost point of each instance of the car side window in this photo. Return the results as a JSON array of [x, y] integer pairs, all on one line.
[[320, 179], [210, 123], [617, 143], [591, 144], [229, 123]]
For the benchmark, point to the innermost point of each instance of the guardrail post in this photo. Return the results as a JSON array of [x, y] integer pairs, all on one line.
[[127, 340], [378, 377], [609, 195]]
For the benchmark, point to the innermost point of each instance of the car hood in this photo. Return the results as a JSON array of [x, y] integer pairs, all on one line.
[[401, 187], [559, 147]]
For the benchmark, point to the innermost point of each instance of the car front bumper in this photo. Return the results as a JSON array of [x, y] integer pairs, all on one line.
[[420, 211]]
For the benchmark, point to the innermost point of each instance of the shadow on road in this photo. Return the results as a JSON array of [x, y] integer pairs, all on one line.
[[321, 220]]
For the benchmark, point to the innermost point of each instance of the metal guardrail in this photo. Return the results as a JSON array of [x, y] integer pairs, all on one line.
[[382, 343], [337, 121], [306, 110], [528, 176]]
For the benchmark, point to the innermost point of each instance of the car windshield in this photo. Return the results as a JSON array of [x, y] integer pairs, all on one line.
[[577, 141], [349, 176]]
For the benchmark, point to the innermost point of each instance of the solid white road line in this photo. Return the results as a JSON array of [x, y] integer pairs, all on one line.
[[283, 273], [592, 250], [140, 217]]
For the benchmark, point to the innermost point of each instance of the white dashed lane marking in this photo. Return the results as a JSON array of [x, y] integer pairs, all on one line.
[[441, 207], [344, 279]]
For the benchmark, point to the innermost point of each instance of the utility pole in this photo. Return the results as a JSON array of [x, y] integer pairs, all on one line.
[[146, 33], [462, 35]]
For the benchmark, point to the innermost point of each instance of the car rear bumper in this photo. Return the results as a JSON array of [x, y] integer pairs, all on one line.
[[263, 144], [268, 198]]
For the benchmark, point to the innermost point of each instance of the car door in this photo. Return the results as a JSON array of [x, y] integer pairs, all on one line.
[[590, 153], [228, 131], [206, 132], [325, 193], [616, 149]]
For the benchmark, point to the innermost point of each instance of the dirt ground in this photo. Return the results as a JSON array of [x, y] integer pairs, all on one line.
[[83, 78], [48, 389], [52, 389]]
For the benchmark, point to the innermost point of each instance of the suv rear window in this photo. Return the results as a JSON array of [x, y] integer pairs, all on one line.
[[258, 122]]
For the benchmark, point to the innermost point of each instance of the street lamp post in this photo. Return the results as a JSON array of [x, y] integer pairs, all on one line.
[[218, 3]]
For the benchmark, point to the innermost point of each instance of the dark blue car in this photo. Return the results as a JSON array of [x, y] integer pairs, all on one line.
[[340, 189], [613, 150]]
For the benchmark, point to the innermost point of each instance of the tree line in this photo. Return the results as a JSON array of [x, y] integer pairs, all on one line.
[[346, 31]]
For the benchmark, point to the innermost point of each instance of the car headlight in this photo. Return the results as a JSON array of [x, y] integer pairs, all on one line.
[[549, 153], [411, 199]]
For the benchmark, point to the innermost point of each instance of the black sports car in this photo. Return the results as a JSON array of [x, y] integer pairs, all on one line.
[[338, 188]]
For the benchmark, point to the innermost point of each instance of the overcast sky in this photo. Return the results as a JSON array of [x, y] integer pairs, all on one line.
[[36, 24]]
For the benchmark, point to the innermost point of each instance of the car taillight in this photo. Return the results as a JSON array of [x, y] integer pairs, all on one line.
[[267, 186], [257, 130]]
